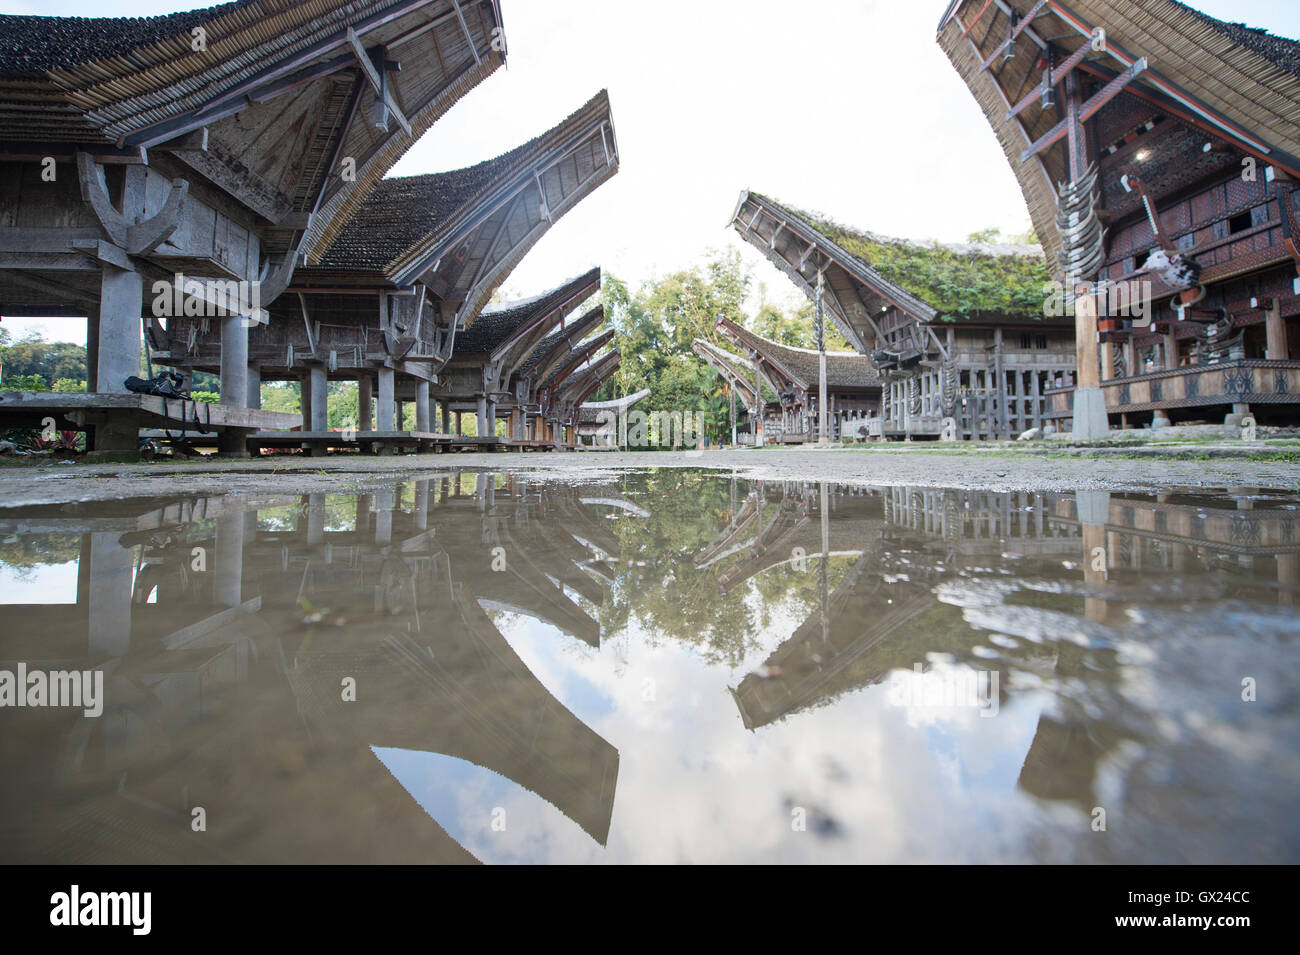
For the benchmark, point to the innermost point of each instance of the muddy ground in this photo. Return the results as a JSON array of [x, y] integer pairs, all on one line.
[[921, 466]]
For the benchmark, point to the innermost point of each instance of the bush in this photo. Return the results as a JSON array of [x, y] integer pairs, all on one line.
[[207, 397], [25, 383], [69, 386]]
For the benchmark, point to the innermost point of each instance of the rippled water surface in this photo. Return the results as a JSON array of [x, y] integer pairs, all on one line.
[[659, 667]]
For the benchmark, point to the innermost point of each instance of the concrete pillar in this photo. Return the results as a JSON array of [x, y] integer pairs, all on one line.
[[384, 408], [319, 385], [234, 361], [254, 386], [1275, 332], [491, 417], [315, 519], [482, 415], [444, 412], [228, 563], [117, 351], [304, 402], [460, 428], [422, 505], [109, 595], [365, 403], [384, 516], [422, 409]]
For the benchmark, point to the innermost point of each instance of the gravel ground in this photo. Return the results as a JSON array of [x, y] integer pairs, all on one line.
[[983, 468]]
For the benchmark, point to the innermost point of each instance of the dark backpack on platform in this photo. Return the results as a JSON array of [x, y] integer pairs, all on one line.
[[166, 384]]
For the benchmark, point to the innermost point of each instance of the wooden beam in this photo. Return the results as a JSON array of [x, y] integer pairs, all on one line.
[[1019, 28], [1056, 75], [1096, 102], [469, 38], [987, 4], [378, 82]]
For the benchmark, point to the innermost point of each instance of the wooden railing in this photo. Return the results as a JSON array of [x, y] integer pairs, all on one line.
[[1244, 381]]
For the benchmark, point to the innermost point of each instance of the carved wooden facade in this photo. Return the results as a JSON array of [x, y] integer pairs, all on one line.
[[1185, 131]]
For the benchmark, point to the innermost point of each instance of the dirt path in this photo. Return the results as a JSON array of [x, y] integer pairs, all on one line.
[[922, 467]]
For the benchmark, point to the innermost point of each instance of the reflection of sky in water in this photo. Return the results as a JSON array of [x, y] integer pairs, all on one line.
[[45, 584], [694, 785]]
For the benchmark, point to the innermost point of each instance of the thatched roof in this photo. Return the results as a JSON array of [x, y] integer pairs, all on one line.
[[867, 274], [407, 219], [35, 44], [273, 82], [1235, 80], [561, 342], [843, 369], [497, 324]]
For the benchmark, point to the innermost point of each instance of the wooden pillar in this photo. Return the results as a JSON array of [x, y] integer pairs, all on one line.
[[1275, 332], [365, 403], [423, 415], [1169, 345]]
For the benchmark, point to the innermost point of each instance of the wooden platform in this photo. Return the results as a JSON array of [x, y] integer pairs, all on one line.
[[116, 419], [319, 442]]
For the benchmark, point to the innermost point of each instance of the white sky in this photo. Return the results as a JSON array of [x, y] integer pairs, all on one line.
[[846, 107]]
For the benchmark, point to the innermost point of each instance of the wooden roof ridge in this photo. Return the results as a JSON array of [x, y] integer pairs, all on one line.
[[540, 359], [814, 233], [403, 217], [801, 365], [581, 354], [583, 382], [494, 331]]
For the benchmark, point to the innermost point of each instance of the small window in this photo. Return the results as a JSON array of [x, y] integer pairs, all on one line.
[[1129, 265], [1040, 342], [1024, 342], [1239, 223], [1186, 242], [1220, 229]]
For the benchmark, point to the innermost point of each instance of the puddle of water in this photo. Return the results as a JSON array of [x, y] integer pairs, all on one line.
[[661, 666]]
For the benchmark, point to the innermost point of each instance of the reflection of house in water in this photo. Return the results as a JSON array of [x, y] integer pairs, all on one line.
[[225, 668], [885, 612]]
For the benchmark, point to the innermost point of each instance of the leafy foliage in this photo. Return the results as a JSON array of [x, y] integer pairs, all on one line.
[[655, 326]]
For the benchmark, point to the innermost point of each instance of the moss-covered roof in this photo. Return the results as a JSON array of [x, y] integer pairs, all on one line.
[[959, 280]]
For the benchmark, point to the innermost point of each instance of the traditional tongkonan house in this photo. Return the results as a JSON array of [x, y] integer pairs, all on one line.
[[599, 420], [489, 372], [211, 152], [794, 376], [1156, 148], [396, 300], [741, 380], [953, 331], [562, 405]]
